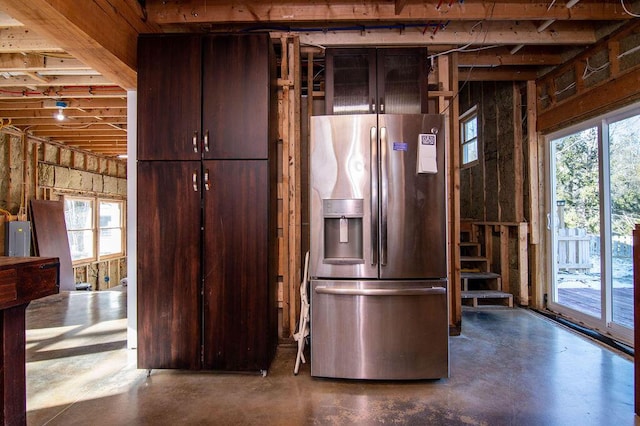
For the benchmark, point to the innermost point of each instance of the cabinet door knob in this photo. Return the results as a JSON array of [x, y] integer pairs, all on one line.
[[206, 141], [194, 178], [373, 106], [195, 141]]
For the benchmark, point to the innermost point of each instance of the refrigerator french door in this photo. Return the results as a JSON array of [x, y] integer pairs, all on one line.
[[378, 247]]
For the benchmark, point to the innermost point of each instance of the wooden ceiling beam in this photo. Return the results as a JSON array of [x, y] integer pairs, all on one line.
[[167, 12], [83, 104], [496, 74], [112, 146], [54, 92], [502, 56], [100, 33], [95, 129], [16, 62], [112, 139], [460, 33], [50, 120], [20, 39], [30, 79], [34, 114]]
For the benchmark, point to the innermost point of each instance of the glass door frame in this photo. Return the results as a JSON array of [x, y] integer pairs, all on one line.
[[604, 324]]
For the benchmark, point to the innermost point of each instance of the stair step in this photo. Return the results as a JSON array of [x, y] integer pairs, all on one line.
[[466, 276], [475, 295], [473, 259], [479, 275]]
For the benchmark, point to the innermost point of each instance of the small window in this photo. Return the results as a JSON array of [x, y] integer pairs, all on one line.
[[94, 232], [79, 214], [469, 136], [110, 240]]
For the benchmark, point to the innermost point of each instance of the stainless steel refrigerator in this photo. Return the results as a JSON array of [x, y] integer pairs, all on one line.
[[378, 247]]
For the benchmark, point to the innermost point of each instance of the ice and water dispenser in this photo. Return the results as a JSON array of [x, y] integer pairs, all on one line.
[[343, 239]]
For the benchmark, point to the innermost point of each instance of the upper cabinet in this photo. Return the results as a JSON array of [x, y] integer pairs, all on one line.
[[234, 127], [376, 81], [169, 75], [197, 89]]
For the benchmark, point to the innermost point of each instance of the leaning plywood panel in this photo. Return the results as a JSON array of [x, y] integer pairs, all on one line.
[[51, 239]]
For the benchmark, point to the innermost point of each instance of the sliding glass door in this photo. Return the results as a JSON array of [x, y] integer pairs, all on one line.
[[595, 204], [623, 212]]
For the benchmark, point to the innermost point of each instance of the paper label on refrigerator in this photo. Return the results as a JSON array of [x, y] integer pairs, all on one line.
[[427, 139], [400, 146], [427, 153]]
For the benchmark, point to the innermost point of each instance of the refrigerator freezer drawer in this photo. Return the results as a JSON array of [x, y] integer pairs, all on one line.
[[379, 330]]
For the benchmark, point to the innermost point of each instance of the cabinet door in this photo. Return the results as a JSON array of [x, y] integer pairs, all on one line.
[[389, 80], [402, 81], [236, 93], [168, 239], [236, 308], [169, 75], [350, 81]]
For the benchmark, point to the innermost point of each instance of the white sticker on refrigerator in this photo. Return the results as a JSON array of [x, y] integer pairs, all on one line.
[[427, 153]]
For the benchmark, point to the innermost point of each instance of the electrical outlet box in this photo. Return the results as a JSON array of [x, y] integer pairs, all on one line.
[[18, 238]]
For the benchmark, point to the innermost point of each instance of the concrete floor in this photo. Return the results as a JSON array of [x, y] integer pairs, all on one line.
[[509, 367]]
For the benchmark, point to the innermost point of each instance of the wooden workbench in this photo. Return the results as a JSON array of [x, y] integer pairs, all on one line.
[[22, 279]]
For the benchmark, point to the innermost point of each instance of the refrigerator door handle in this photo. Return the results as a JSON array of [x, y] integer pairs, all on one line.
[[384, 188], [373, 135], [416, 291]]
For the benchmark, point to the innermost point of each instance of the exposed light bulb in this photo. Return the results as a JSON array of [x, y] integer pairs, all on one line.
[[60, 115]]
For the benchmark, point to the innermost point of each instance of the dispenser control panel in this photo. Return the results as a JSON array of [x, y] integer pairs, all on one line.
[[343, 208]]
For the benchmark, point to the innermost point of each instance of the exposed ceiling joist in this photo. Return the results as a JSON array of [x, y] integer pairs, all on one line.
[[79, 28], [20, 39], [165, 12], [499, 74], [502, 56], [33, 114], [15, 62], [60, 92], [80, 103], [461, 33], [34, 80]]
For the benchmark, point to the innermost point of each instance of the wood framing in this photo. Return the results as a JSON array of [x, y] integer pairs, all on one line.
[[100, 33], [447, 104], [196, 11], [289, 188], [576, 100]]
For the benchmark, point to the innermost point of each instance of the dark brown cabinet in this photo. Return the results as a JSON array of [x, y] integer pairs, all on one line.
[[169, 259], [169, 98], [370, 81], [206, 227]]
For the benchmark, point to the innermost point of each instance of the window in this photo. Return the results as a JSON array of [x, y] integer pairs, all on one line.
[[79, 213], [94, 230], [110, 241], [469, 136]]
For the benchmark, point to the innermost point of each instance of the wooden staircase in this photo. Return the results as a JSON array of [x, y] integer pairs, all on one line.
[[478, 282]]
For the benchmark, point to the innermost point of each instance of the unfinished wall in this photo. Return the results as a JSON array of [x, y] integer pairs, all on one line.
[[491, 190], [36, 169]]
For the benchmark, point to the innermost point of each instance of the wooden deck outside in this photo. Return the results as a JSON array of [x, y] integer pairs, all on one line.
[[588, 301]]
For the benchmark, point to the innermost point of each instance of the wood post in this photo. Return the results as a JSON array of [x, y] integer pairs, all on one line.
[[289, 189], [448, 106]]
